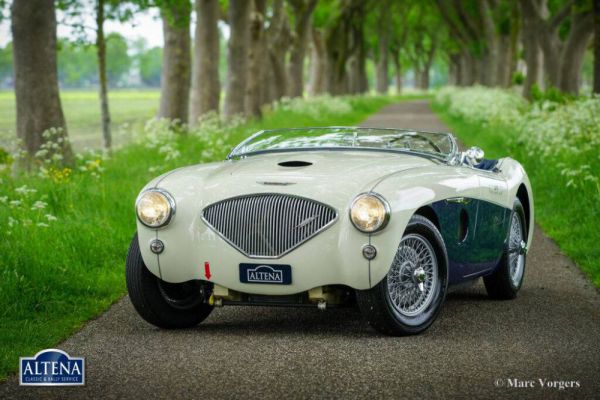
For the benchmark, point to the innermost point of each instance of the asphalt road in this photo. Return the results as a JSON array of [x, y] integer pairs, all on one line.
[[551, 332]]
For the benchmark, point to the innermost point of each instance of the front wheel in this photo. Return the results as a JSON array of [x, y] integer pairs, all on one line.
[[410, 297], [166, 305]]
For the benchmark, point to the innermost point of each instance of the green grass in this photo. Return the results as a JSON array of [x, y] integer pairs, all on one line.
[[82, 112], [54, 279], [568, 215]]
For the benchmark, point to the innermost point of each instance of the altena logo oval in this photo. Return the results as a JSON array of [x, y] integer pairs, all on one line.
[[51, 367]]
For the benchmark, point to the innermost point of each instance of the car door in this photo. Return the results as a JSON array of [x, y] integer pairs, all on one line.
[[492, 220], [458, 223]]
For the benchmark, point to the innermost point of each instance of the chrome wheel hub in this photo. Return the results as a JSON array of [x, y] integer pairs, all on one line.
[[413, 276], [517, 248]]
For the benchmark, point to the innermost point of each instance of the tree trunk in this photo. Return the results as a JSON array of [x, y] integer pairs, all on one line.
[[103, 90], [397, 71], [237, 60], [206, 88], [360, 82], [318, 64], [278, 38], [381, 72], [338, 48], [531, 52], [303, 10], [256, 60], [596, 87], [581, 32], [36, 81], [454, 70], [175, 75], [489, 73]]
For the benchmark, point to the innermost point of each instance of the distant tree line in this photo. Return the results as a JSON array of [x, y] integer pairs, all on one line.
[[278, 48]]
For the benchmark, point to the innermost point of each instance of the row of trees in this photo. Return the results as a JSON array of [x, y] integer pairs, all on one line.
[[270, 41], [78, 66]]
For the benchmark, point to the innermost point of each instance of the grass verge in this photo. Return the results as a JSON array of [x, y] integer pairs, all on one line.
[[55, 274], [567, 214]]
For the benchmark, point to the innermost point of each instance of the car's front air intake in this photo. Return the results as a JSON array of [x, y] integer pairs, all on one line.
[[268, 225]]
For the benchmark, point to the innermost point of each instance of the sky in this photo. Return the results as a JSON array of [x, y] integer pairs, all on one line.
[[145, 25]]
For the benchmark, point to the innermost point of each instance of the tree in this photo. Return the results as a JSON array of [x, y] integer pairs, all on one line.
[[278, 39], [302, 11], [206, 88], [596, 88], [176, 65], [103, 10], [563, 52], [103, 84], [256, 64], [6, 63], [338, 44], [384, 26], [36, 81], [238, 17], [118, 62], [150, 64], [77, 65]]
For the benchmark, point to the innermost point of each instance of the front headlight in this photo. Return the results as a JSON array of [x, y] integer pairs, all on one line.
[[155, 208], [369, 212]]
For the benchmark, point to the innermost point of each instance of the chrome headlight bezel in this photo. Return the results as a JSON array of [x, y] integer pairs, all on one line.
[[386, 207], [170, 201]]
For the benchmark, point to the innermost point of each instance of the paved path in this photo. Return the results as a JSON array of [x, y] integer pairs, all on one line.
[[552, 331]]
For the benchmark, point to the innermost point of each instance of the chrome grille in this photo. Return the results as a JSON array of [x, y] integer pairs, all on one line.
[[268, 225]]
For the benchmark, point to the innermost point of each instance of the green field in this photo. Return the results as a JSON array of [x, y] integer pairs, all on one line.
[[129, 109], [57, 274]]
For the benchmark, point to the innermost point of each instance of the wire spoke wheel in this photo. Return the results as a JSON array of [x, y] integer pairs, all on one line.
[[413, 277], [516, 246]]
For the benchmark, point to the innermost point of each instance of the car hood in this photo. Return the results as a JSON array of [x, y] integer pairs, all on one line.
[[332, 177]]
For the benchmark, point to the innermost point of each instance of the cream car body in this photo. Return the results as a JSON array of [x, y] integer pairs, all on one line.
[[193, 250]]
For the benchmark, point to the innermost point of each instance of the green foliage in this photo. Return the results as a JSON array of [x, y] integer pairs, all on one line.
[[6, 63], [552, 94], [518, 78], [150, 63], [118, 61], [77, 64], [558, 144], [59, 266]]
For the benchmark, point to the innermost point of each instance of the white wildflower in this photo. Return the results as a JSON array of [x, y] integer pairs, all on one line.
[[39, 205], [51, 217]]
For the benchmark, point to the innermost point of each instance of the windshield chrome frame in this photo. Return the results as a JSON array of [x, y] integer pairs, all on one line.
[[445, 158]]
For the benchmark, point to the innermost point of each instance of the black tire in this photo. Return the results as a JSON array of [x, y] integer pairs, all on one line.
[[376, 305], [163, 304], [499, 284]]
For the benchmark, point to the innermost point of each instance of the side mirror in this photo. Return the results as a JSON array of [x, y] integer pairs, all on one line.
[[473, 156]]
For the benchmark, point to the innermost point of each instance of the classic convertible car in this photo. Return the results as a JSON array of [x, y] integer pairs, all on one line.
[[327, 217]]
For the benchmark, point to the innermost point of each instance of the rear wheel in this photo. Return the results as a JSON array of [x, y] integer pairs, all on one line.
[[164, 304], [409, 298], [506, 281]]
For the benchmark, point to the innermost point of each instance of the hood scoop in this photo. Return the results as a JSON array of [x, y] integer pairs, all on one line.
[[294, 164]]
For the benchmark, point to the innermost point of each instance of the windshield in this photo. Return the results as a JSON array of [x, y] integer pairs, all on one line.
[[439, 145]]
